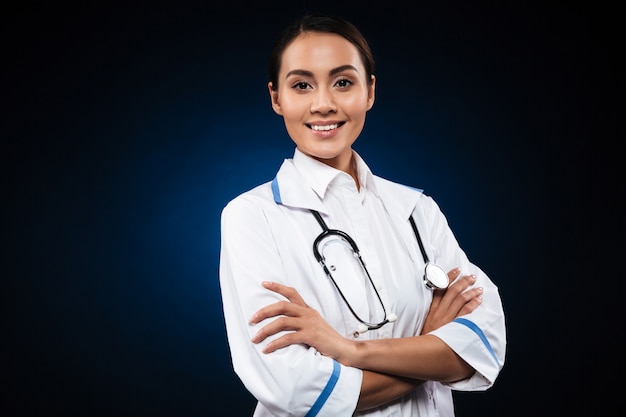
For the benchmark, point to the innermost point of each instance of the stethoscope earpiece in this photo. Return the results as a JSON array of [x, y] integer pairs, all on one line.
[[361, 329]]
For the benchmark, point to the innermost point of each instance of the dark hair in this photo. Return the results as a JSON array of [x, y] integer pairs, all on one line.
[[321, 23]]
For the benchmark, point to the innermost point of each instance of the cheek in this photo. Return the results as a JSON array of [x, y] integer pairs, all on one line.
[[355, 102], [292, 109], [356, 107]]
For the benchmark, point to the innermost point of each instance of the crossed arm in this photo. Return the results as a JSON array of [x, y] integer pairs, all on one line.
[[391, 367]]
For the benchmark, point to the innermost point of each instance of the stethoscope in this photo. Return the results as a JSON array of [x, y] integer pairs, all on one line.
[[434, 276]]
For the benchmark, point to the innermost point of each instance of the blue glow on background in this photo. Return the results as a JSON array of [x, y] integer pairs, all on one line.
[[133, 128]]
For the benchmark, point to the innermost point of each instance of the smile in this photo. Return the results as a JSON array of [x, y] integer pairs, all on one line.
[[324, 127]]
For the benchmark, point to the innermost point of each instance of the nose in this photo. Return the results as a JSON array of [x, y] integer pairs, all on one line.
[[323, 101]]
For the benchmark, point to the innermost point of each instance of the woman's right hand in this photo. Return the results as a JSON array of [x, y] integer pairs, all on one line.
[[301, 324], [452, 302]]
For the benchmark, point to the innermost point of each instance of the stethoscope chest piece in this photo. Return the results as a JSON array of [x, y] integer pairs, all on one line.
[[435, 277]]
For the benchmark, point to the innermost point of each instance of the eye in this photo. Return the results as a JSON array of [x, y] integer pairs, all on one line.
[[344, 83], [300, 85]]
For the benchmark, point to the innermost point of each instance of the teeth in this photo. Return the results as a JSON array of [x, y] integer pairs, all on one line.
[[327, 127]]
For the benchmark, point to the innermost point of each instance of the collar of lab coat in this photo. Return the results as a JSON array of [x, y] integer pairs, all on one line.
[[304, 187]]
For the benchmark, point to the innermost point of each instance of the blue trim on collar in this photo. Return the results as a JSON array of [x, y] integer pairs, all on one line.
[[480, 334], [419, 190], [276, 191], [330, 385]]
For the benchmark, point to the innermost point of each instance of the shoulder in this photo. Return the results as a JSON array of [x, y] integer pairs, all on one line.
[[396, 187], [254, 200], [405, 196], [407, 199]]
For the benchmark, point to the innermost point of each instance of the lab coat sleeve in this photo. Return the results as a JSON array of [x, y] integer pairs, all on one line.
[[479, 338], [292, 381]]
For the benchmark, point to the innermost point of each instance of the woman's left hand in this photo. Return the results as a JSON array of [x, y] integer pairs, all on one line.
[[303, 324]]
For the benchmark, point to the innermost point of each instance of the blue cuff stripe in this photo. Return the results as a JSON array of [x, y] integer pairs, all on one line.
[[480, 334], [276, 191], [330, 385]]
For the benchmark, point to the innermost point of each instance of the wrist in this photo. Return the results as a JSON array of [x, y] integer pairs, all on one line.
[[350, 354]]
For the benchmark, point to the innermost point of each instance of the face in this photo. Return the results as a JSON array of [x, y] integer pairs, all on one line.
[[323, 96]]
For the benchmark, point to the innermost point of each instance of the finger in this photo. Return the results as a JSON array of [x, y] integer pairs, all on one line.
[[457, 287], [466, 301], [473, 303], [284, 341], [461, 283], [276, 309], [279, 325], [453, 274], [437, 296], [439, 293], [289, 293]]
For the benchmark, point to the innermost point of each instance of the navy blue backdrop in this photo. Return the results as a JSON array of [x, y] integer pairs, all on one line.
[[128, 128]]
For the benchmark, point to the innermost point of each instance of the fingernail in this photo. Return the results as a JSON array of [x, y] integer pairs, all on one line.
[[480, 289]]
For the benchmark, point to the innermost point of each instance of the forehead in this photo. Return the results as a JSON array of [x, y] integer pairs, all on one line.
[[313, 51]]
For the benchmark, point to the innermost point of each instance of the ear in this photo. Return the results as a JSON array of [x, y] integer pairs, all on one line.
[[371, 93], [274, 99]]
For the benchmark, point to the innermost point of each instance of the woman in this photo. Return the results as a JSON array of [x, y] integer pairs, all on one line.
[[311, 332]]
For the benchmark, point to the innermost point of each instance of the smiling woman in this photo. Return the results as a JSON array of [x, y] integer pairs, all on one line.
[[130, 128], [291, 313], [326, 92]]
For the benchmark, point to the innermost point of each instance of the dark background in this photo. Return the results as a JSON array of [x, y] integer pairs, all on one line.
[[128, 127]]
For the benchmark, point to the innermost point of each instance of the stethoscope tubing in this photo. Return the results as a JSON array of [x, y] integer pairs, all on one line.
[[355, 249], [440, 275]]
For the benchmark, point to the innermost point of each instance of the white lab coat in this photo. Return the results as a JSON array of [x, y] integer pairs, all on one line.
[[268, 234]]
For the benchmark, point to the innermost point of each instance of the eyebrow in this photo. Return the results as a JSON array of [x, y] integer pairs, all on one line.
[[333, 71]]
